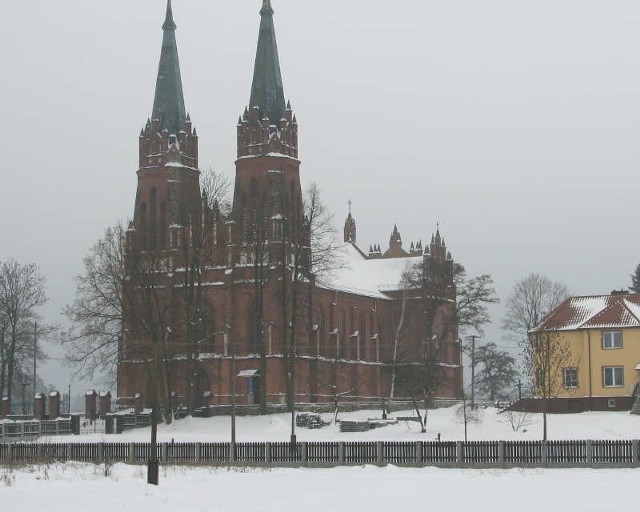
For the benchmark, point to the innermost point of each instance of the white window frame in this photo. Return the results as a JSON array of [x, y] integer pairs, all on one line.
[[613, 370], [574, 383], [609, 341]]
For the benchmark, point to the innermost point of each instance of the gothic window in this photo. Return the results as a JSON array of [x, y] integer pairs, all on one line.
[[153, 214], [363, 343], [341, 335], [276, 228]]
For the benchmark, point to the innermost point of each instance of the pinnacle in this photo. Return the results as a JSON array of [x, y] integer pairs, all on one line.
[[266, 10], [169, 24]]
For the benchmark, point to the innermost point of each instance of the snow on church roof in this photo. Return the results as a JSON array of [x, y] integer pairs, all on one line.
[[369, 277]]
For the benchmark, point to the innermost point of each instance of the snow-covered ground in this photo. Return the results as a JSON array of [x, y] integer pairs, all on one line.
[[485, 424], [77, 487]]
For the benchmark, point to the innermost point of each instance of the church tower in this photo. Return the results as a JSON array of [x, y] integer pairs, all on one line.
[[168, 178], [267, 203]]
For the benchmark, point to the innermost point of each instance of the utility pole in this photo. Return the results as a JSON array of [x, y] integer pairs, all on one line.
[[226, 331], [35, 361], [473, 370]]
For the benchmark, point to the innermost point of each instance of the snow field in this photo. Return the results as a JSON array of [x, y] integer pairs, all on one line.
[[80, 487]]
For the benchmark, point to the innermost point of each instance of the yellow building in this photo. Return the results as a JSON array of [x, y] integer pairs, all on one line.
[[598, 338]]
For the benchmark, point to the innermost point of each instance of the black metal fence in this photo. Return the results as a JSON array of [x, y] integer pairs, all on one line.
[[619, 453]]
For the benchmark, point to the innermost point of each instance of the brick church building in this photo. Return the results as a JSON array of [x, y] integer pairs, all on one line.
[[223, 303]]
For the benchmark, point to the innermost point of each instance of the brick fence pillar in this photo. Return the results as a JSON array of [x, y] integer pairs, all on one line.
[[635, 450], [54, 405], [459, 453], [419, 460], [39, 406], [5, 407], [91, 404]]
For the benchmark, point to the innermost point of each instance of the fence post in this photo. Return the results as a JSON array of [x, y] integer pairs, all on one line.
[[341, 453], [132, 458], [419, 453], [459, 454], [267, 453], [164, 453], [379, 454], [198, 452], [545, 453], [69, 451], [635, 452], [589, 453], [304, 453], [10, 454], [39, 452], [232, 452], [502, 459]]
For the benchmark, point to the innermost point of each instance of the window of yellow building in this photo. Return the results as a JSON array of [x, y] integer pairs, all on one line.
[[570, 378], [613, 376], [611, 339]]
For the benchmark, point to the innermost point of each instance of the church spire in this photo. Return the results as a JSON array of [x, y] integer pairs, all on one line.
[[267, 91], [168, 105]]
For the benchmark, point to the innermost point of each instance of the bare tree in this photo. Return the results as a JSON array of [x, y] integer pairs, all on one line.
[[93, 340], [546, 355], [531, 299], [545, 352], [473, 295], [215, 187], [22, 291], [326, 247]]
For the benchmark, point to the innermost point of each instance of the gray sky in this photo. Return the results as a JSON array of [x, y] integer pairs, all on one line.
[[513, 124]]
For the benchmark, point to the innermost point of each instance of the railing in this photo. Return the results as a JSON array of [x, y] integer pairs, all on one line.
[[20, 430], [619, 453]]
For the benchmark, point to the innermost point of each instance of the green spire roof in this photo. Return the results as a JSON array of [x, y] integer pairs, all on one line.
[[267, 91], [168, 105]]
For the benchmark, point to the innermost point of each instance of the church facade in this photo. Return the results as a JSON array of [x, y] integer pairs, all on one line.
[[225, 304]]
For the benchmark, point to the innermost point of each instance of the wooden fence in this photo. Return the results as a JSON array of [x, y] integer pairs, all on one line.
[[619, 453]]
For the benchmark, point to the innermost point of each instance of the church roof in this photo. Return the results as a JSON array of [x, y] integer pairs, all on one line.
[[168, 104], [267, 91], [369, 277], [594, 312]]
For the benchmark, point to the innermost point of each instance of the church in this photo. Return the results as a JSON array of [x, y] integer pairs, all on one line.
[[230, 305]]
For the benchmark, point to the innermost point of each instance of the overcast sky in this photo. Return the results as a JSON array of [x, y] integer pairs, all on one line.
[[515, 124]]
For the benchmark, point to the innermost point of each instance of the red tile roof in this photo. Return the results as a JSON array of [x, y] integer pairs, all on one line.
[[594, 312]]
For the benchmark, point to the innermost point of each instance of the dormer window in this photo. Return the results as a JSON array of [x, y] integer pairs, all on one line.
[[172, 139]]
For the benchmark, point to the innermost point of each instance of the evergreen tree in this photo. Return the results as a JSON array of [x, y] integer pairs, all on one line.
[[498, 371], [635, 280]]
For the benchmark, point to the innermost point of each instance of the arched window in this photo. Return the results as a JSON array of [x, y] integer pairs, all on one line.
[[153, 218], [363, 342], [342, 331]]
